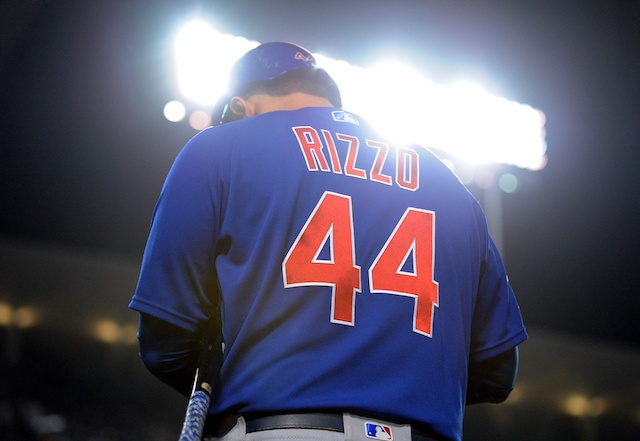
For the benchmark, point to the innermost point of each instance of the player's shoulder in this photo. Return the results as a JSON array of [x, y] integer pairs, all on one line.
[[214, 140]]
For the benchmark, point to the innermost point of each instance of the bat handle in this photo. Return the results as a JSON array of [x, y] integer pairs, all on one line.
[[209, 363], [196, 415]]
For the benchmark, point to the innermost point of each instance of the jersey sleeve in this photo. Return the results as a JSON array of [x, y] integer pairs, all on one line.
[[177, 279], [497, 324]]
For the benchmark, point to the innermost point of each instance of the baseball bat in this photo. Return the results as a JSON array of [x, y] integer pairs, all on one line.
[[208, 366]]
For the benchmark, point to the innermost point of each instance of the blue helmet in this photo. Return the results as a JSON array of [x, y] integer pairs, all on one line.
[[267, 62]]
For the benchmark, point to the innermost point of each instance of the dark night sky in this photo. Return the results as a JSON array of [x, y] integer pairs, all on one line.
[[85, 147]]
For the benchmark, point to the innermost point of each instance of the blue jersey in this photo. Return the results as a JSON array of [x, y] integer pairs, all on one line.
[[355, 275]]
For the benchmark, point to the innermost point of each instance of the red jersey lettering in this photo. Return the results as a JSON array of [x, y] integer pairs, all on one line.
[[333, 153], [378, 163], [407, 174], [350, 168], [311, 147]]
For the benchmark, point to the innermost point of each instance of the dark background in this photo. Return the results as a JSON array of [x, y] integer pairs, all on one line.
[[85, 147]]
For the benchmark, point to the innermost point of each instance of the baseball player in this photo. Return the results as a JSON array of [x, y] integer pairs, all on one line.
[[361, 295]]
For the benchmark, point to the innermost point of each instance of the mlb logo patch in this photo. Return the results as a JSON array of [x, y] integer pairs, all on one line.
[[378, 431], [342, 116]]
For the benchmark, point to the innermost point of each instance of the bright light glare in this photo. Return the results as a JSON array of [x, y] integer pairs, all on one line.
[[198, 120], [107, 331], [393, 99], [461, 120], [6, 314], [174, 111], [203, 58], [110, 332], [508, 183], [25, 317], [579, 405]]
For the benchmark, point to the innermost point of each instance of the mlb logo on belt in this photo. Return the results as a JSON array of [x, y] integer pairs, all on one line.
[[378, 431]]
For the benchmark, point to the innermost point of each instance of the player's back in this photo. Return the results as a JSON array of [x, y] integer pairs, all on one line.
[[348, 269]]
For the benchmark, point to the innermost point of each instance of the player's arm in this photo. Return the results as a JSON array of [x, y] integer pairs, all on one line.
[[178, 277], [493, 379], [169, 352]]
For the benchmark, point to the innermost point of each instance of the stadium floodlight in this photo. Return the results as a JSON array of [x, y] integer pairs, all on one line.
[[461, 120], [203, 59]]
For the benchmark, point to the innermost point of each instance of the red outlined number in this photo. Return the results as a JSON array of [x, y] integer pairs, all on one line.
[[330, 221], [414, 238], [404, 266]]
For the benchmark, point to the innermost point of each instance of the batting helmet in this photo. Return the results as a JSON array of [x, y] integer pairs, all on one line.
[[267, 62]]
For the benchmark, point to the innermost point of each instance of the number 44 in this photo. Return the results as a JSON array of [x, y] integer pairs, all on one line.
[[403, 267]]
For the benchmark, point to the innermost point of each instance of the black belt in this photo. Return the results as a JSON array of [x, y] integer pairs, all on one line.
[[318, 421]]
